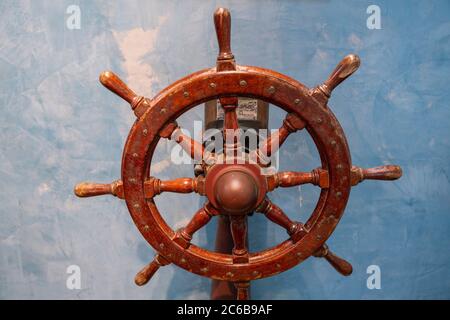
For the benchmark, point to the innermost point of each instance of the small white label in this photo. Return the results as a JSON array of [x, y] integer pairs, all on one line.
[[247, 109]]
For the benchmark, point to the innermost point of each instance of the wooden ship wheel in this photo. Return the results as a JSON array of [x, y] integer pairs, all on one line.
[[237, 187]]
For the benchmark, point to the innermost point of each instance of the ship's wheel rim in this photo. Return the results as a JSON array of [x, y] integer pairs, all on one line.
[[267, 85]]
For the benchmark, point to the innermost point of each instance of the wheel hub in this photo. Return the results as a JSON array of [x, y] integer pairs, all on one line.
[[236, 192], [235, 189]]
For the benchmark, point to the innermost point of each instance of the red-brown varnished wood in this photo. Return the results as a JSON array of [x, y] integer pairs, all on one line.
[[113, 83], [231, 131], [276, 215], [389, 172], [191, 146], [152, 187], [91, 189], [270, 145], [260, 264], [238, 225], [199, 220], [222, 22], [318, 177], [230, 117], [343, 70], [223, 290], [342, 266], [155, 186], [225, 62], [243, 290], [144, 275]]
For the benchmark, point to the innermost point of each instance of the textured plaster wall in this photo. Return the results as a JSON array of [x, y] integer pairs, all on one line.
[[58, 126]]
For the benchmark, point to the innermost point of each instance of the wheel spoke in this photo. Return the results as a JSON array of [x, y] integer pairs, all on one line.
[[90, 189], [192, 147], [200, 219], [343, 70], [317, 177], [225, 62], [389, 172], [112, 82], [231, 132], [238, 226], [269, 146], [340, 265], [153, 186], [230, 119], [222, 22], [276, 215], [146, 273]]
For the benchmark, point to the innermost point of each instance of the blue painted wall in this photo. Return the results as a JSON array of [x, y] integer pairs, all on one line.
[[58, 126]]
